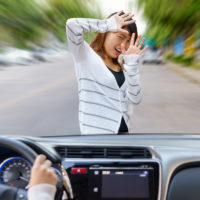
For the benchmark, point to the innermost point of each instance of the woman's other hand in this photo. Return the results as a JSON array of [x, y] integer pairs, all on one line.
[[121, 21], [134, 47], [42, 173]]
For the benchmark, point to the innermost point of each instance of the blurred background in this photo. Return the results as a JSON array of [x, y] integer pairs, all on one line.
[[38, 87]]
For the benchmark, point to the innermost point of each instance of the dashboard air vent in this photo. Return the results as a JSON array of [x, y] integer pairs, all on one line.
[[80, 152], [103, 152], [128, 153]]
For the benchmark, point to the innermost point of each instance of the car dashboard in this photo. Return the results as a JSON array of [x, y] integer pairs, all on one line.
[[120, 167]]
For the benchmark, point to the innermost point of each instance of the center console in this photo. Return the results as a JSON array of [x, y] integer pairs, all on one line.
[[114, 180]]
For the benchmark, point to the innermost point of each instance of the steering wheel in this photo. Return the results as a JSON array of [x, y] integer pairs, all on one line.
[[14, 193]]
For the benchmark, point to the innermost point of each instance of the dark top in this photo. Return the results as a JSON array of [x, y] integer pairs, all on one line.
[[119, 76]]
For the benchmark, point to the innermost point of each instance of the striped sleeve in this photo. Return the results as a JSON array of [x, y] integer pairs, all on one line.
[[76, 27], [133, 91]]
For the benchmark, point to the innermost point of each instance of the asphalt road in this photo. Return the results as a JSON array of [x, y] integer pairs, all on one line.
[[171, 102], [42, 100]]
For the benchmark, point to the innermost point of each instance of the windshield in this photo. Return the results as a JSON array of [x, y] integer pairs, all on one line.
[[87, 67]]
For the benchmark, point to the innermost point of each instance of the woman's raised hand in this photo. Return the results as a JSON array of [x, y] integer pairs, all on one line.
[[134, 47], [121, 21]]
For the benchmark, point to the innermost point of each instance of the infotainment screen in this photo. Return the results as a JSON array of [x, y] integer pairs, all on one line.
[[125, 184], [121, 183]]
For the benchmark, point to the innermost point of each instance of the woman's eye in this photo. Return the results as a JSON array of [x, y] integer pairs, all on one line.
[[121, 37]]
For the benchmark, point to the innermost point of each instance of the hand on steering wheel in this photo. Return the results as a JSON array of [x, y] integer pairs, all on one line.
[[42, 173]]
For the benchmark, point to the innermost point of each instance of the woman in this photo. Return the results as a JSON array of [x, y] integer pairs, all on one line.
[[105, 85]]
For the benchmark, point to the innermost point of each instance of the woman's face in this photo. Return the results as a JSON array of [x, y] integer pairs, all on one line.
[[113, 41]]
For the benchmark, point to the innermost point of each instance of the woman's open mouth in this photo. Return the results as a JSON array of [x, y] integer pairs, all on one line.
[[117, 51]]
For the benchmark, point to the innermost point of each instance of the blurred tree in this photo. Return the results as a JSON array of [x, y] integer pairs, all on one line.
[[171, 18], [21, 21], [26, 23], [60, 10]]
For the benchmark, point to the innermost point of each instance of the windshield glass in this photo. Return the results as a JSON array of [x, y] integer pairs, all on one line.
[[87, 67]]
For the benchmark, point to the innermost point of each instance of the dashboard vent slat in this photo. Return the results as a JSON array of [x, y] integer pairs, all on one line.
[[76, 152], [136, 152], [103, 152]]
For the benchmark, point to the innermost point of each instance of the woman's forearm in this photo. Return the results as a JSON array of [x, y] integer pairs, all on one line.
[[76, 27], [133, 91]]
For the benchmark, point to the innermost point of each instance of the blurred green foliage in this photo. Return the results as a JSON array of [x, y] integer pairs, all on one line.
[[60, 10], [20, 21], [26, 23], [182, 59], [170, 18]]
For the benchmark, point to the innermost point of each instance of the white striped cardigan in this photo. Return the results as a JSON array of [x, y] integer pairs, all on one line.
[[101, 102]]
